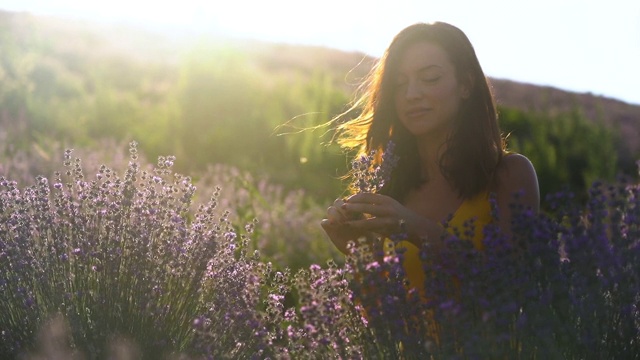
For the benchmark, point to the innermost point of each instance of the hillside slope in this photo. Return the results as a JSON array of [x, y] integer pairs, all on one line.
[[615, 113]]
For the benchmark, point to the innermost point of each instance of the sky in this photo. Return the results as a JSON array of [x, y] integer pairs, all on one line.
[[576, 45]]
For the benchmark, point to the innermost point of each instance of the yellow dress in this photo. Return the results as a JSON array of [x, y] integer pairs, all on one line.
[[476, 209]]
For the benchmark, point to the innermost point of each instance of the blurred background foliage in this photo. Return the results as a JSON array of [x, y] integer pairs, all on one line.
[[213, 101]]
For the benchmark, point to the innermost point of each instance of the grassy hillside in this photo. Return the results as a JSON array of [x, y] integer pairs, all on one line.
[[623, 117]]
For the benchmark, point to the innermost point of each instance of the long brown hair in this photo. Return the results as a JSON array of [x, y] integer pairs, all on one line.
[[474, 147]]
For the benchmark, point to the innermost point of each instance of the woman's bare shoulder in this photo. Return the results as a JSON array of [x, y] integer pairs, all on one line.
[[516, 174], [514, 164]]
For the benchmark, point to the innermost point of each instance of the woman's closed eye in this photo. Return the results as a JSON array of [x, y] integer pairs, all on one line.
[[430, 79]]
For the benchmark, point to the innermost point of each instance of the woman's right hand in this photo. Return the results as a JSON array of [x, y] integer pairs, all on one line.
[[336, 226]]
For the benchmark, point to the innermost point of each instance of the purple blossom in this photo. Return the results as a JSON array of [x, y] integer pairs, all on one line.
[[369, 176]]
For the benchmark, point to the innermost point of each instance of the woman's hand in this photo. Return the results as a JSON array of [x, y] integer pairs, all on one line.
[[367, 213], [336, 226], [386, 216]]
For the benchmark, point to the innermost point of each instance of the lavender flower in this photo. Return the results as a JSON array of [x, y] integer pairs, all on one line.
[[371, 177]]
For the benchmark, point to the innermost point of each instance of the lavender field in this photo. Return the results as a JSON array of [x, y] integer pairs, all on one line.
[[203, 240], [133, 259]]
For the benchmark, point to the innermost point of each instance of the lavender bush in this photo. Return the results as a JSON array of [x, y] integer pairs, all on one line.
[[114, 255], [136, 263]]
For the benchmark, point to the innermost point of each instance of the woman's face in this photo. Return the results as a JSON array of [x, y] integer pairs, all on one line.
[[427, 93]]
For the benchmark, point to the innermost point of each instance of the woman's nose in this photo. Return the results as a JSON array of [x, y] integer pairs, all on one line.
[[413, 91]]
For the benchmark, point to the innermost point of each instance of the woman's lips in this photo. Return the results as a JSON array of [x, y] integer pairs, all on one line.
[[417, 112]]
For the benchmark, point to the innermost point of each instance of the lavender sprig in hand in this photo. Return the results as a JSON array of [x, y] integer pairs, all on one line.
[[370, 178]]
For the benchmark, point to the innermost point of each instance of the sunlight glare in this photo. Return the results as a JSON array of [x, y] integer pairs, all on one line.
[[287, 20]]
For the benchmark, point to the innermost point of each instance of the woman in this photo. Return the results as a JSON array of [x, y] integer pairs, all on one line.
[[429, 95]]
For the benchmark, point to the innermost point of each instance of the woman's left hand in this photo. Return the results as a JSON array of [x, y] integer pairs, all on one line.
[[386, 215]]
